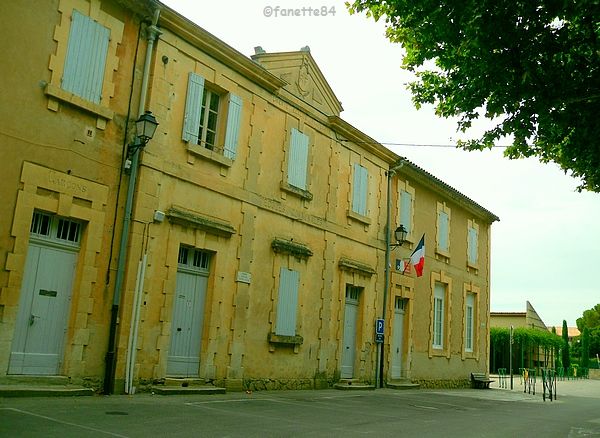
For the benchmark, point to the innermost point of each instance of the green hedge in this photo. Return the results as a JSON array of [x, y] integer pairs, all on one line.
[[525, 336]]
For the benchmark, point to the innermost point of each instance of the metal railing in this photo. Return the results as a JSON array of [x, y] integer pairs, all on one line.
[[502, 380], [549, 383], [529, 379]]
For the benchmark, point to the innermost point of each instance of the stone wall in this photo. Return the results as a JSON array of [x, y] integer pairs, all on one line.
[[443, 384]]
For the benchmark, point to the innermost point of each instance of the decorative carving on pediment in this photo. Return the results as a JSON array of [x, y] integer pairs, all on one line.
[[304, 82]]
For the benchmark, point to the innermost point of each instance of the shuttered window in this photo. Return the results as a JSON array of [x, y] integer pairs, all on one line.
[[406, 210], [86, 58], [360, 189], [288, 302], [439, 298], [443, 229], [469, 318], [203, 109], [298, 159], [473, 245]]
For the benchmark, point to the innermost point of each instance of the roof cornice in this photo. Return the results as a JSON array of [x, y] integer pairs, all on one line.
[[436, 184], [355, 135], [213, 46]]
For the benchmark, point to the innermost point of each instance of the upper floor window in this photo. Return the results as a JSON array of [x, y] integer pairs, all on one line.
[[406, 210], [205, 110], [472, 243], [360, 189], [443, 229], [209, 114], [85, 61], [298, 160], [83, 64]]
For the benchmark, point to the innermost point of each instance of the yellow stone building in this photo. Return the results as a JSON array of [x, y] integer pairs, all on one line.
[[255, 245]]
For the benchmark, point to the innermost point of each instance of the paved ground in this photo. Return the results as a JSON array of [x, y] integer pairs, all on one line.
[[327, 413]]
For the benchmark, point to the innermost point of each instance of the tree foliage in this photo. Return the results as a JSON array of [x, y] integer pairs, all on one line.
[[591, 320], [566, 358], [585, 348], [532, 67]]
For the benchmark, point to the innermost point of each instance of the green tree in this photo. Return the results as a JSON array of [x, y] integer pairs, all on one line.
[[585, 348], [591, 320], [531, 67], [566, 359]]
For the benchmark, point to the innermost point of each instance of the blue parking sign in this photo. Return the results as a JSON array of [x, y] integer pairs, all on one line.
[[379, 324]]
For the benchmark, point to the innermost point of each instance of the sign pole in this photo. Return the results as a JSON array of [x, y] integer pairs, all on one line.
[[510, 357]]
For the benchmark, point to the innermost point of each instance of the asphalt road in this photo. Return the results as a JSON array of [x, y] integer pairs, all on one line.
[[327, 413]]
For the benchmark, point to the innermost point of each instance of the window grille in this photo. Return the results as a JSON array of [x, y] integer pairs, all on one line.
[[51, 227]]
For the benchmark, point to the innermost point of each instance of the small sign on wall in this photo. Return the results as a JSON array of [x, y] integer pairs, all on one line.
[[244, 277]]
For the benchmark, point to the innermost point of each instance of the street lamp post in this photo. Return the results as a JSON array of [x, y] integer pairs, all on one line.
[[388, 247], [146, 126]]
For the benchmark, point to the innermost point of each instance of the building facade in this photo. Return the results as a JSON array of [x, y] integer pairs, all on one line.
[[256, 221]]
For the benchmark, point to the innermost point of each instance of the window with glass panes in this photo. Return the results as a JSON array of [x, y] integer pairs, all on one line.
[[469, 318], [209, 115], [439, 297]]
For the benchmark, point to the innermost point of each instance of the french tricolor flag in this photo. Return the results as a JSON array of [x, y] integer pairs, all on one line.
[[417, 258]]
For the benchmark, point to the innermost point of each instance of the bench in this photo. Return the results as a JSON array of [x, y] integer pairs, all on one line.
[[480, 380]]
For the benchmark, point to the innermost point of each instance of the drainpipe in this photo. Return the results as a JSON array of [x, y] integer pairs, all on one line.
[[111, 357], [386, 285]]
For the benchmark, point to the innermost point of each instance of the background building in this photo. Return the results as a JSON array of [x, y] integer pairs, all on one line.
[[525, 354]]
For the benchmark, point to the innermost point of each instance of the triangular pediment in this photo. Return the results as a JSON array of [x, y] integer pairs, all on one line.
[[303, 77]]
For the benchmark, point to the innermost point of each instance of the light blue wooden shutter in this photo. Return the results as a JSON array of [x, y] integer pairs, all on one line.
[[443, 230], [288, 302], [473, 245], [232, 133], [406, 210], [298, 159], [193, 107], [85, 62], [360, 188]]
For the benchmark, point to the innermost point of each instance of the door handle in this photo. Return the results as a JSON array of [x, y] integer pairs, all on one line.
[[32, 318]]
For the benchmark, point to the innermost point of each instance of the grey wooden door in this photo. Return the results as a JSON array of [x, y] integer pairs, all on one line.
[[41, 325], [397, 338], [186, 327], [349, 341]]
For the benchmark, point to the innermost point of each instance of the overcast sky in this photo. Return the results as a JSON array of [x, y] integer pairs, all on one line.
[[545, 247]]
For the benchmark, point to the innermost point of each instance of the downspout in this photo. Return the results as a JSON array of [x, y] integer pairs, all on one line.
[[386, 285], [111, 357]]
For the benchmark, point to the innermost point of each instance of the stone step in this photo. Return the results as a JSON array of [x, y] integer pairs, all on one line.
[[184, 382], [34, 380], [352, 385], [30, 390], [402, 384], [40, 386], [188, 390]]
